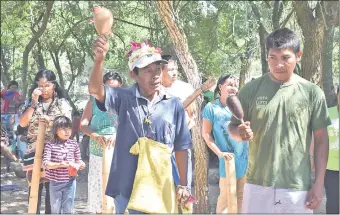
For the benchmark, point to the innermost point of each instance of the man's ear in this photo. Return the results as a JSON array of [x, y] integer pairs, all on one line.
[[133, 75], [299, 55]]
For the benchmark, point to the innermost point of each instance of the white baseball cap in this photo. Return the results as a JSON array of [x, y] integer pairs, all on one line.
[[142, 54]]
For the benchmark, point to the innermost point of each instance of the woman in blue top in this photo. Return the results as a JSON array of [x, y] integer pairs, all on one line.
[[216, 117], [102, 125]]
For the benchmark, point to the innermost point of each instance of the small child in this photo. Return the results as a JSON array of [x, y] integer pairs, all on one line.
[[61, 157], [21, 141]]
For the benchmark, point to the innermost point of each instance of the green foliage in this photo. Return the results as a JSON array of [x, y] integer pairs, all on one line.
[[221, 36]]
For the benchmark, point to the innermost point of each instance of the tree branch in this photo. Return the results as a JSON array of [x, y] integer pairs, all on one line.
[[141, 26], [275, 15], [285, 21], [69, 31], [258, 16]]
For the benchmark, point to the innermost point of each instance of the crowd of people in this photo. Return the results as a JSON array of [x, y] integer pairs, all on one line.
[[287, 133]]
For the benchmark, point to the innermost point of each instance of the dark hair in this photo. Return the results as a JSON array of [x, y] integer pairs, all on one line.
[[50, 76], [135, 70], [168, 57], [283, 38], [21, 130], [112, 76], [221, 81], [337, 90], [11, 83], [60, 122]]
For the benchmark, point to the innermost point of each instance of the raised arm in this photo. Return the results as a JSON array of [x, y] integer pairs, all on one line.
[[96, 88], [26, 116]]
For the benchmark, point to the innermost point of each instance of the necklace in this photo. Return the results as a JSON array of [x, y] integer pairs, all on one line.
[[148, 114]]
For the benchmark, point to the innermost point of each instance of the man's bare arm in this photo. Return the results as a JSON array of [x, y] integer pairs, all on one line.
[[182, 164], [321, 146], [96, 88]]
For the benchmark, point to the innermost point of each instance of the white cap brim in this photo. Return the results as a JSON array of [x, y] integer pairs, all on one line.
[[147, 60]]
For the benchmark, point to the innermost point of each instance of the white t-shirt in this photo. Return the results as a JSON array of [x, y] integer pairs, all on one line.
[[182, 90]]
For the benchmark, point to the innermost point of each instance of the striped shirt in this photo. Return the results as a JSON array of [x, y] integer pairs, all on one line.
[[55, 151]]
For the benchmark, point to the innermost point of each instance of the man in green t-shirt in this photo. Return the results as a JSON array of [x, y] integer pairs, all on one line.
[[281, 112]]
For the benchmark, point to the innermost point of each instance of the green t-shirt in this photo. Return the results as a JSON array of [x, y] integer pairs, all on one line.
[[333, 134], [209, 95], [282, 117]]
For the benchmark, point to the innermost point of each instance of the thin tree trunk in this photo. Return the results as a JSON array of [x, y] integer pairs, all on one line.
[[32, 42], [264, 64], [55, 59], [39, 57], [5, 79], [244, 71], [262, 35], [327, 67], [189, 65]]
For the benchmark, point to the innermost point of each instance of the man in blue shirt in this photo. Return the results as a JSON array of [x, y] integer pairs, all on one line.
[[144, 109]]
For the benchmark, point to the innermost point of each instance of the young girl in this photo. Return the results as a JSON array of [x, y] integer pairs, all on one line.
[[61, 157]]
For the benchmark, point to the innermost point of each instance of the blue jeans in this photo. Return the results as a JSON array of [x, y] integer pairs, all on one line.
[[120, 205], [21, 149], [62, 196]]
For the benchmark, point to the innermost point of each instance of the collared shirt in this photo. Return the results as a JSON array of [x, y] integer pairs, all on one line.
[[57, 152], [168, 126]]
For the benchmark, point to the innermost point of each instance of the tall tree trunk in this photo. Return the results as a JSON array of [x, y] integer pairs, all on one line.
[[264, 64], [189, 65], [245, 63], [55, 59], [5, 79], [327, 67], [311, 64], [39, 58], [262, 35], [313, 24], [32, 42]]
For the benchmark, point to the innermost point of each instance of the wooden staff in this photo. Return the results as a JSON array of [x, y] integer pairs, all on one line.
[[103, 21], [231, 185], [39, 147], [105, 177], [205, 86]]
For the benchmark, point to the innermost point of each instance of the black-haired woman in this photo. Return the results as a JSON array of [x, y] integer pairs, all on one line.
[[47, 101], [102, 125], [216, 116]]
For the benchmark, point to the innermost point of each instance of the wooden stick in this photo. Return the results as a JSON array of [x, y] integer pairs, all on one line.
[[36, 173], [105, 177], [206, 85], [231, 185]]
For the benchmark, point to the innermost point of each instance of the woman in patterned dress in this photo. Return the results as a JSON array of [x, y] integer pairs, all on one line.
[[103, 124], [47, 102]]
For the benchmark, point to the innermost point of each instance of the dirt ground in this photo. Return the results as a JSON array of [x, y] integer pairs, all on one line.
[[16, 201]]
